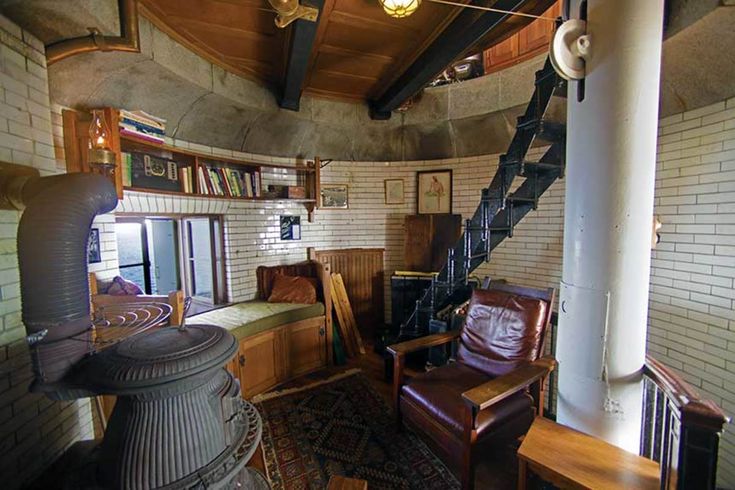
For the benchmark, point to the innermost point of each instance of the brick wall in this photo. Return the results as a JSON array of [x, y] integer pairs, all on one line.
[[691, 308], [33, 429]]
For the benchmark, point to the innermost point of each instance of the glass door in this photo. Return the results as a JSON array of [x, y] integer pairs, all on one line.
[[148, 253], [204, 265], [163, 254], [132, 247]]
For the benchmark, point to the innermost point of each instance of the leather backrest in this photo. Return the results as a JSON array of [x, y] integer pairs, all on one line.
[[502, 331]]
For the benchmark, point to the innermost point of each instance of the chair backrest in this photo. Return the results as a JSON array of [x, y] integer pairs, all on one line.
[[505, 327]]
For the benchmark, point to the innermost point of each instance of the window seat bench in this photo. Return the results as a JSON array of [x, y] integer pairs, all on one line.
[[277, 341], [253, 317]]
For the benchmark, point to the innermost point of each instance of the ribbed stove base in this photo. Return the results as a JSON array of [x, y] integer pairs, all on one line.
[[78, 468]]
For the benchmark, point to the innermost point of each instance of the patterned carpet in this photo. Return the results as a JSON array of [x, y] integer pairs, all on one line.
[[341, 426]]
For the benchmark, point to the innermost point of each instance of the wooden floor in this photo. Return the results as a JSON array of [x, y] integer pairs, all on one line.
[[495, 471]]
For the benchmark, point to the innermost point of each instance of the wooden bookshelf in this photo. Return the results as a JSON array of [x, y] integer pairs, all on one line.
[[76, 141]]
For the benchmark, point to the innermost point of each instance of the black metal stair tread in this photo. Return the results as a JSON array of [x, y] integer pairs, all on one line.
[[531, 166], [521, 199], [541, 166]]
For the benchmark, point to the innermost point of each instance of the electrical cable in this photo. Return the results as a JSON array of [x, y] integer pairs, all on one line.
[[490, 9]]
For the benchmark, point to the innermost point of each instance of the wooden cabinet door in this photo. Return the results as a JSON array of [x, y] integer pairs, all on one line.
[[501, 54], [306, 345], [417, 243], [260, 362], [536, 36], [427, 237]]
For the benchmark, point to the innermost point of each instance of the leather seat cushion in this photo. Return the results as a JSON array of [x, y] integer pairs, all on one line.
[[439, 394]]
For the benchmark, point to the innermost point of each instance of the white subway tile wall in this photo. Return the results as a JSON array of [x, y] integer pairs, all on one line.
[[34, 430], [691, 325]]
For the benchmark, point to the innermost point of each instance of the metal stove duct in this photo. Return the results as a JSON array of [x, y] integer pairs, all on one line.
[[52, 254]]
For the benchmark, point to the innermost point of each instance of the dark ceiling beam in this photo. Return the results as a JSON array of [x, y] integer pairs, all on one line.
[[466, 30], [302, 40]]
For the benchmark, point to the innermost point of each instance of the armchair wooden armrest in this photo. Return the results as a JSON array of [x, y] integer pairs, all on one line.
[[422, 343], [399, 352], [491, 392]]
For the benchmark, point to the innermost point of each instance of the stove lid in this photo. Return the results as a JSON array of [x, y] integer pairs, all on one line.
[[160, 356]]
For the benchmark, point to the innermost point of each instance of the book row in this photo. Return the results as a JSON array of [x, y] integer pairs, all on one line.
[[151, 172]]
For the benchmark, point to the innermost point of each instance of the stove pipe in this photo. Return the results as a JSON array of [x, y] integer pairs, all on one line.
[[52, 255]]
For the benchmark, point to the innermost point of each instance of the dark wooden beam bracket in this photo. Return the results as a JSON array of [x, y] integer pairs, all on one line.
[[299, 52]]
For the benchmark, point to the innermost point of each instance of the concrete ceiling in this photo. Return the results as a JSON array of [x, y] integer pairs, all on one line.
[[204, 103]]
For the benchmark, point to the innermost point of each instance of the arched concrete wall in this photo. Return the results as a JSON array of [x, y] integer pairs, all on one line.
[[205, 104]]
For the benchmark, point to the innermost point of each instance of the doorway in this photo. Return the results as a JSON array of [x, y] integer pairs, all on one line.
[[147, 253], [202, 238], [163, 254]]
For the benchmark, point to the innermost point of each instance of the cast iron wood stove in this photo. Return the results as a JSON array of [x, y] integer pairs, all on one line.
[[179, 421]]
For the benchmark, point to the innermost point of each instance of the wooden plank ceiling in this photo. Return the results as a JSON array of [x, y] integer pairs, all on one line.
[[358, 50]]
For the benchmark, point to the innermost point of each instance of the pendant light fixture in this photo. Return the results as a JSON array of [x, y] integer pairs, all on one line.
[[404, 8], [400, 8]]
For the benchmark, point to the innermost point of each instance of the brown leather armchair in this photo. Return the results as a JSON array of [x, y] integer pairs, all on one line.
[[494, 389]]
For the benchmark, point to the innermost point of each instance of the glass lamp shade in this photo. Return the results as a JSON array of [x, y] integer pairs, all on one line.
[[400, 8], [100, 150], [99, 133]]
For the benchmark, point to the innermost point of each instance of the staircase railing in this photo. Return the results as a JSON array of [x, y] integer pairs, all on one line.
[[500, 208], [680, 430]]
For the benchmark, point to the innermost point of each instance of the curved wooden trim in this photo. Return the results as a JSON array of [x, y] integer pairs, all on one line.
[[694, 410]]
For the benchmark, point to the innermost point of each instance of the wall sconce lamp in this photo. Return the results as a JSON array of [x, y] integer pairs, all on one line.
[[100, 154]]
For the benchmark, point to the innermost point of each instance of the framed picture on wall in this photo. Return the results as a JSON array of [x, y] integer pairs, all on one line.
[[434, 192], [94, 254], [290, 227], [394, 191], [334, 196]]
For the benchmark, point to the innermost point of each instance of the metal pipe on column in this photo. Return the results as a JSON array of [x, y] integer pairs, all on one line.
[[611, 159]]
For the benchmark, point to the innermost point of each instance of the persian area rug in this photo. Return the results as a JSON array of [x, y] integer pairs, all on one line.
[[341, 426]]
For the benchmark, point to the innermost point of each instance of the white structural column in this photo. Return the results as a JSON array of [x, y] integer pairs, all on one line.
[[611, 162]]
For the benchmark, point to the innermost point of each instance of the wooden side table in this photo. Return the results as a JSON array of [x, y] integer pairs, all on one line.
[[570, 459]]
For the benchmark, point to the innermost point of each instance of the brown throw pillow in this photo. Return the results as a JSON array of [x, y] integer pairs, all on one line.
[[293, 289]]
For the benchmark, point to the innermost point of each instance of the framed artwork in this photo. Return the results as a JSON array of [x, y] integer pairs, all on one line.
[[394, 191], [94, 254], [334, 196], [290, 227], [434, 192]]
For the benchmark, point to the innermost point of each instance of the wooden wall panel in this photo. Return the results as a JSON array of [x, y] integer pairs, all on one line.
[[427, 237], [362, 272]]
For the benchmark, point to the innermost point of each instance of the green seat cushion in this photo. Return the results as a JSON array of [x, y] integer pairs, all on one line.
[[252, 317]]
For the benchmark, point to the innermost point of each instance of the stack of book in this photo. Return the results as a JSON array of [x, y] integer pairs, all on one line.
[[142, 125], [228, 182]]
